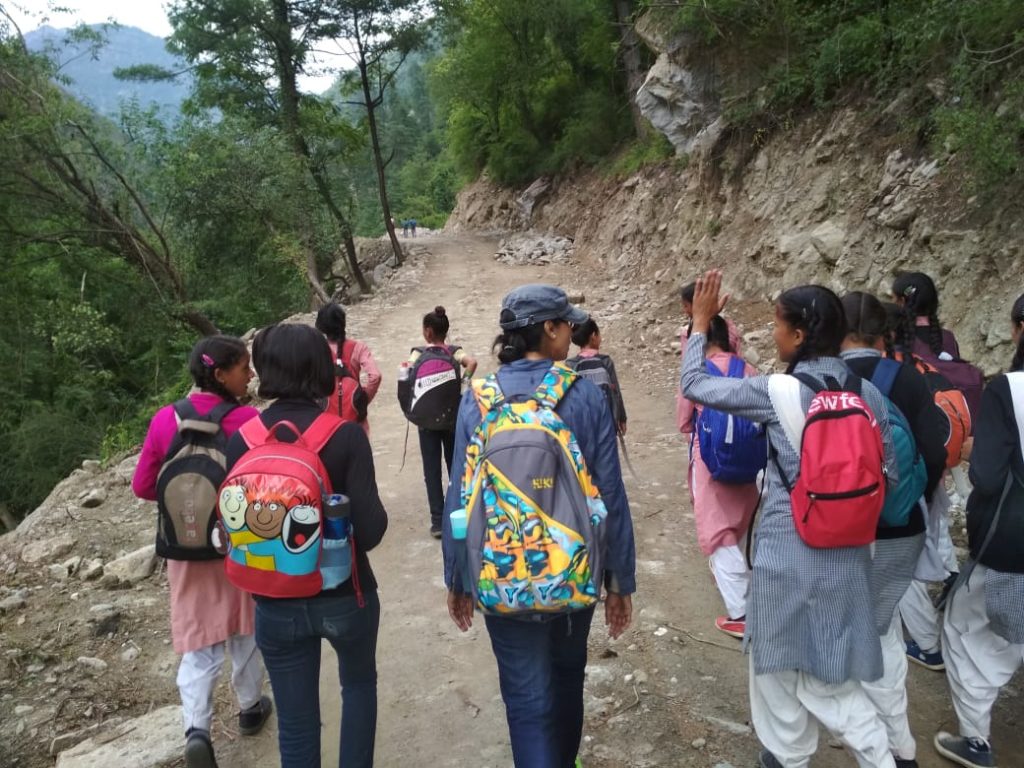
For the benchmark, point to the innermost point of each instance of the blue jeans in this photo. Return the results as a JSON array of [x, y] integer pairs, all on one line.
[[540, 668], [288, 633], [434, 443]]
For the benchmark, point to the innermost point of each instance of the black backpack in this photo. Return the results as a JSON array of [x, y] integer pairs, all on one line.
[[430, 389], [189, 482], [597, 369]]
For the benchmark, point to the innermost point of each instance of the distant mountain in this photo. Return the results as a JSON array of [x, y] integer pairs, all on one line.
[[92, 79]]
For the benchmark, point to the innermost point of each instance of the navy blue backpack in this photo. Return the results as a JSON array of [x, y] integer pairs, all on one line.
[[734, 449]]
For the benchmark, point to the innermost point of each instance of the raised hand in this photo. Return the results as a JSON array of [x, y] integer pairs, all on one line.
[[707, 300]]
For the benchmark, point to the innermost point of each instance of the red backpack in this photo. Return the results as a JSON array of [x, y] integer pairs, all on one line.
[[348, 401], [271, 508], [838, 495]]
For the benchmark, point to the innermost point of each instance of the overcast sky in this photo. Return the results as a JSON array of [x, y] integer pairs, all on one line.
[[148, 15]]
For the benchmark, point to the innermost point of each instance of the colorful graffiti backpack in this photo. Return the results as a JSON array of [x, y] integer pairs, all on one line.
[[733, 449], [431, 389], [188, 483], [271, 507], [535, 521], [348, 401]]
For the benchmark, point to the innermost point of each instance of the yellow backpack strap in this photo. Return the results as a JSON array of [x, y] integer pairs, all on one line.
[[555, 384], [488, 393]]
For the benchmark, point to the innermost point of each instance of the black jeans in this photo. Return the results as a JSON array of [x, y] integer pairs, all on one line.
[[289, 634], [432, 444]]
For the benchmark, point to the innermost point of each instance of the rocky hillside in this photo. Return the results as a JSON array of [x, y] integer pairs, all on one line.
[[845, 199]]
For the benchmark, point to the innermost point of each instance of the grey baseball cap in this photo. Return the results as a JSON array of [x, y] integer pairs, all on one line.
[[530, 304]]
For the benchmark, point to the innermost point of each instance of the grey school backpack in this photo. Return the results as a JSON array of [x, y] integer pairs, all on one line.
[[188, 484]]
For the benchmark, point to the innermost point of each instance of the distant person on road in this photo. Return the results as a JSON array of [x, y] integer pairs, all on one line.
[[406, 225], [722, 511], [353, 354], [983, 630], [295, 372], [208, 613], [536, 452], [435, 443], [412, 226], [599, 368], [811, 611]]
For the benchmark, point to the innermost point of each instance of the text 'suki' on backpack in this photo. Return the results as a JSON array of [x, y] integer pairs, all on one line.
[[188, 483], [597, 368], [430, 392], [272, 505], [953, 403], [838, 494], [913, 475], [734, 449], [348, 401], [535, 520]]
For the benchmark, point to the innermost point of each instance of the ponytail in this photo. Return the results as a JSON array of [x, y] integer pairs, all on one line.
[[920, 299], [211, 354], [818, 312]]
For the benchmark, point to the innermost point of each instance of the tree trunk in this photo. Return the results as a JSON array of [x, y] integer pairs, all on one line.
[[633, 62], [378, 158], [290, 118]]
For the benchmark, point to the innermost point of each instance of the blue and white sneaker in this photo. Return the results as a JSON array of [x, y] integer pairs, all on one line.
[[970, 753], [932, 661]]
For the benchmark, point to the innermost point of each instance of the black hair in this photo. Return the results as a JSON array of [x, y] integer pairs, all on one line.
[[293, 360], [894, 329], [816, 311], [437, 321], [513, 344], [1017, 316], [581, 333], [687, 292], [212, 353], [920, 299], [330, 321], [866, 319], [718, 334]]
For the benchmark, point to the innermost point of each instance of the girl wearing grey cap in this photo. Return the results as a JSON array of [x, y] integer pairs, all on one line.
[[542, 657]]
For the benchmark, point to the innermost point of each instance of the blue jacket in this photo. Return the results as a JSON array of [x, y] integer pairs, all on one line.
[[585, 410]]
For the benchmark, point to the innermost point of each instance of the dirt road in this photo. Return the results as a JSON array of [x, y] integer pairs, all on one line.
[[671, 691]]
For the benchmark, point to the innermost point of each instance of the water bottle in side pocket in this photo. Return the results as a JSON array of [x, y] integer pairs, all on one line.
[[458, 522], [336, 555]]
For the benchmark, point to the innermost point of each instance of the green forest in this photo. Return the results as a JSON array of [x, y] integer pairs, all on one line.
[[124, 239]]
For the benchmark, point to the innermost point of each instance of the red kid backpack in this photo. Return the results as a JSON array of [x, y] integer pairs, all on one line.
[[838, 495], [271, 508], [348, 401]]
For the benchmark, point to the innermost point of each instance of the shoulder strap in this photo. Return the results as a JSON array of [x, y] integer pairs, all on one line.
[[784, 392], [345, 353], [737, 367], [316, 435], [184, 410], [488, 393], [884, 376], [712, 369], [1016, 381], [220, 410], [555, 384], [254, 432]]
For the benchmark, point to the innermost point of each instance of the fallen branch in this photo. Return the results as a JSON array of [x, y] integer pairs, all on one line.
[[736, 649]]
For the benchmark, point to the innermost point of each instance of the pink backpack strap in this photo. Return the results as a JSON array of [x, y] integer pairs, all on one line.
[[254, 432], [320, 431]]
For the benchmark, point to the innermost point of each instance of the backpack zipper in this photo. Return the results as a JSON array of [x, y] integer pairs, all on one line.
[[866, 491]]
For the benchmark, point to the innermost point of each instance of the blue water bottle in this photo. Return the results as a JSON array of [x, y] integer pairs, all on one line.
[[458, 522], [336, 555]]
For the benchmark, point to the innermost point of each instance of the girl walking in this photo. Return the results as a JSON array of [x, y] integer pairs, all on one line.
[[207, 612], [541, 661], [810, 616], [722, 511], [437, 442], [599, 368], [983, 630], [295, 371], [353, 354]]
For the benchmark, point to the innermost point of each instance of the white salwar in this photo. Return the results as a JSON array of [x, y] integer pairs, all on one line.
[[200, 669], [786, 708], [889, 693], [729, 566], [978, 661]]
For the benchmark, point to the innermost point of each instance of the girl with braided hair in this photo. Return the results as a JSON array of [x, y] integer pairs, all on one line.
[[922, 334], [811, 629]]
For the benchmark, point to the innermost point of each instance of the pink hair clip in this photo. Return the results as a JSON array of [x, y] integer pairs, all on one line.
[[208, 361]]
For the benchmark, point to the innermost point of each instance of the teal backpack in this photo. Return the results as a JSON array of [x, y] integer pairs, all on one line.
[[913, 474]]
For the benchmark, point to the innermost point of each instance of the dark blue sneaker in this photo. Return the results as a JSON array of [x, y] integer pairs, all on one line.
[[970, 753], [767, 760], [932, 661]]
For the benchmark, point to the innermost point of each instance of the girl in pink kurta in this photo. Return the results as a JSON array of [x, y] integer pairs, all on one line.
[[207, 611], [722, 511], [356, 356]]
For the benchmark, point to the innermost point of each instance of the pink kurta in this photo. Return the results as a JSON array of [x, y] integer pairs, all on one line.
[[205, 607], [683, 410], [722, 511]]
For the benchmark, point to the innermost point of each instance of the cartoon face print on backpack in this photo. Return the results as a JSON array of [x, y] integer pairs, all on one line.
[[233, 505], [236, 378], [265, 515], [301, 528]]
